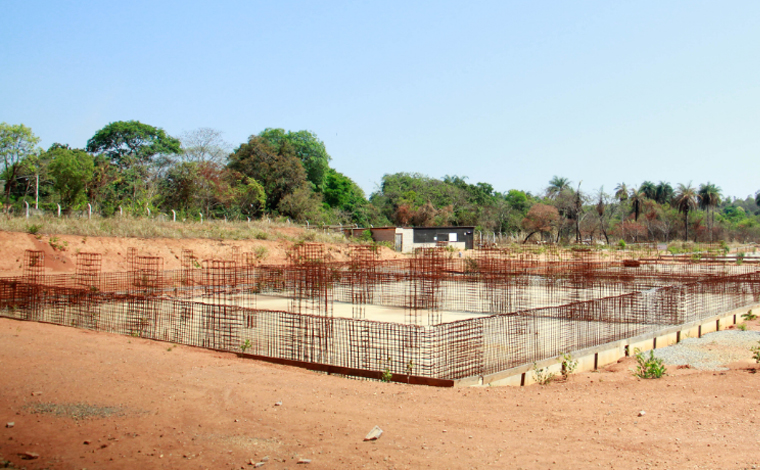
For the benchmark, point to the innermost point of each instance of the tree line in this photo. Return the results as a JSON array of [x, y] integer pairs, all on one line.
[[135, 168]]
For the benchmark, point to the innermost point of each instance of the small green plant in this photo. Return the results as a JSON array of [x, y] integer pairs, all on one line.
[[387, 374], [649, 367], [58, 244], [246, 346], [740, 258], [568, 365], [33, 229], [365, 237], [622, 244], [542, 376], [742, 326], [756, 352], [749, 316], [260, 252]]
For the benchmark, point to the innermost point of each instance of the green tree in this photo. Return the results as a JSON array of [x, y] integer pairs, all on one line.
[[636, 198], [518, 200], [663, 193], [302, 205], [128, 143], [621, 192], [648, 189], [136, 149], [17, 142], [308, 148], [342, 192], [71, 170], [556, 186], [276, 168], [685, 201], [709, 198]]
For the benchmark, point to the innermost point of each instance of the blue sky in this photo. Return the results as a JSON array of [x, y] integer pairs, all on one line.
[[509, 93]]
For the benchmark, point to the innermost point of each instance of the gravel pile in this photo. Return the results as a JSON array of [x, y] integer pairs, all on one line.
[[712, 351]]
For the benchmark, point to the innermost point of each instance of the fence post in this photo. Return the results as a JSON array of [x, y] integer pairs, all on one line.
[[121, 213], [148, 209], [174, 216], [27, 209], [59, 210], [201, 213], [89, 210]]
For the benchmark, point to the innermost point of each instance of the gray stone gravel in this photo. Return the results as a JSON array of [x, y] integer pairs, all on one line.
[[712, 351]]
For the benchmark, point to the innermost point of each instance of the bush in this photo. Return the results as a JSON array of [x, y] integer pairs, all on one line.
[[568, 365], [649, 367], [756, 352], [622, 244], [542, 376]]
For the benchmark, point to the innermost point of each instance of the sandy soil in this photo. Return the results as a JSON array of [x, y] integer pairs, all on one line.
[[62, 257], [146, 404]]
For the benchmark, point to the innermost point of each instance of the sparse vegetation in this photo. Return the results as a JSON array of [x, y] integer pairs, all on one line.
[[649, 367], [742, 326], [568, 365], [749, 316], [34, 229], [246, 345], [756, 352], [260, 252], [58, 244], [387, 375], [136, 227], [542, 376]]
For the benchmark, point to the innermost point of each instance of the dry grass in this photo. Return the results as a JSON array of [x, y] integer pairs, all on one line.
[[129, 227]]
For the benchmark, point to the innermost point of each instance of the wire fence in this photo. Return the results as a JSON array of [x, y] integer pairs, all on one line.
[[523, 310]]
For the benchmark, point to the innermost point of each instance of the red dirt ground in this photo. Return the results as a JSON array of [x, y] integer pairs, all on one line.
[[189, 408]]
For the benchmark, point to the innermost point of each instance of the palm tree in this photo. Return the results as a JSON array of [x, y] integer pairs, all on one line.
[[621, 192], [648, 189], [709, 198], [663, 193], [556, 186], [685, 201], [637, 203], [577, 209]]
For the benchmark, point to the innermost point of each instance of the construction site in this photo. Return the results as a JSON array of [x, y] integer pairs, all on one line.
[[434, 318]]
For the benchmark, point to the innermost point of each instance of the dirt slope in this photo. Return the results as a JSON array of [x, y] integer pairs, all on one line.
[[60, 251]]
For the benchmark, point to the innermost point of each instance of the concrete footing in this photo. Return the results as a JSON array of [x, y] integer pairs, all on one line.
[[599, 356]]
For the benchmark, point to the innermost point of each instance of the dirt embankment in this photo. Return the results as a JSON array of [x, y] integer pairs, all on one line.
[[61, 250]]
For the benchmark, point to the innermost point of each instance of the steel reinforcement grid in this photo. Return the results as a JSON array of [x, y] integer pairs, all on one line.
[[579, 306]]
